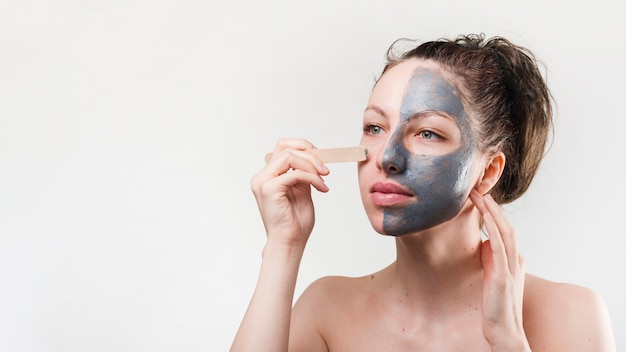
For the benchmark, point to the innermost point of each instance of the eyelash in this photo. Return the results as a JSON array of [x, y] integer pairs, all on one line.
[[368, 129], [433, 134]]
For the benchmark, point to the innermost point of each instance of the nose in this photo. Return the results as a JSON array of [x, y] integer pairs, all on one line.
[[394, 159]]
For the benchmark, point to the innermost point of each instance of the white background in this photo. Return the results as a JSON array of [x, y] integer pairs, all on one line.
[[129, 131]]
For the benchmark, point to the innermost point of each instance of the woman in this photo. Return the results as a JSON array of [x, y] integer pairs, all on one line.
[[452, 128]]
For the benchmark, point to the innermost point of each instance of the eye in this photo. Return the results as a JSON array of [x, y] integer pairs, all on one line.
[[373, 129], [428, 135]]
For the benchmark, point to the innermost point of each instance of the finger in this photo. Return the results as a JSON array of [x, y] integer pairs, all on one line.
[[299, 177], [278, 167], [487, 205], [522, 264], [478, 201], [287, 173], [498, 252], [498, 213], [297, 159], [291, 144], [486, 257], [292, 160], [507, 233]]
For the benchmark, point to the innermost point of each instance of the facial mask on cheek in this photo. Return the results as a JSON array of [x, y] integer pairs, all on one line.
[[440, 183]]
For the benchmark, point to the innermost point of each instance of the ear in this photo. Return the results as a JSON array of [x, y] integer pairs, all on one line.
[[491, 174]]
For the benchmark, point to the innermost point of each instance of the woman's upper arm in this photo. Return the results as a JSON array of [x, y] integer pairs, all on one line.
[[307, 319], [570, 318], [590, 323]]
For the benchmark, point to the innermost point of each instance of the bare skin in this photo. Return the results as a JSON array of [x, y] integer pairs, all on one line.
[[369, 314], [446, 291]]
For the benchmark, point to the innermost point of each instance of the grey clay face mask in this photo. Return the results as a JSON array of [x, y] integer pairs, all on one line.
[[440, 183]]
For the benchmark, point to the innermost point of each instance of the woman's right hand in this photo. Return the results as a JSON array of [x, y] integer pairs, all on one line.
[[283, 192]]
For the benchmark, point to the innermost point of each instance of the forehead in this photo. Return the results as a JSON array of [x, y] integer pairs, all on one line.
[[429, 90], [413, 76]]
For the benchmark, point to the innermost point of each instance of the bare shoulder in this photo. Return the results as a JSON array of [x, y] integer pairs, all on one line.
[[330, 293], [565, 317], [317, 312]]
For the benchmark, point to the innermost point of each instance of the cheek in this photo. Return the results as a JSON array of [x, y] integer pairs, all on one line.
[[366, 171], [362, 169], [438, 178], [474, 175], [374, 145], [456, 174], [440, 184], [362, 179]]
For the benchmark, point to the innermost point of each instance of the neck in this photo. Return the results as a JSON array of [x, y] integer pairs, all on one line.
[[442, 265]]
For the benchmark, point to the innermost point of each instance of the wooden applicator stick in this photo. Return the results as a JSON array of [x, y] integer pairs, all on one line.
[[335, 155]]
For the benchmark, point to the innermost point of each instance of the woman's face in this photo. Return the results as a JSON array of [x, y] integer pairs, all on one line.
[[421, 148]]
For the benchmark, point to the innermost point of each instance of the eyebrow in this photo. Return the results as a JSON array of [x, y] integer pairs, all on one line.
[[377, 110], [426, 113], [417, 115]]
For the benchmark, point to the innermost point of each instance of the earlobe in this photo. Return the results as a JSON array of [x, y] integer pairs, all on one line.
[[491, 174]]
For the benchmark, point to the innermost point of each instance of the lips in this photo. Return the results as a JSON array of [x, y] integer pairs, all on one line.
[[385, 194]]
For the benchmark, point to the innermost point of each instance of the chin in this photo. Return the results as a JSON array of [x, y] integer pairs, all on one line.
[[378, 227], [391, 232]]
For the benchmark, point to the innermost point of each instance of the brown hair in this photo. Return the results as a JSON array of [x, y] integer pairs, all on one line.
[[508, 97]]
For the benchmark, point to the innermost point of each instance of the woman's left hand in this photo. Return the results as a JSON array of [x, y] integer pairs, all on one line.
[[503, 285]]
